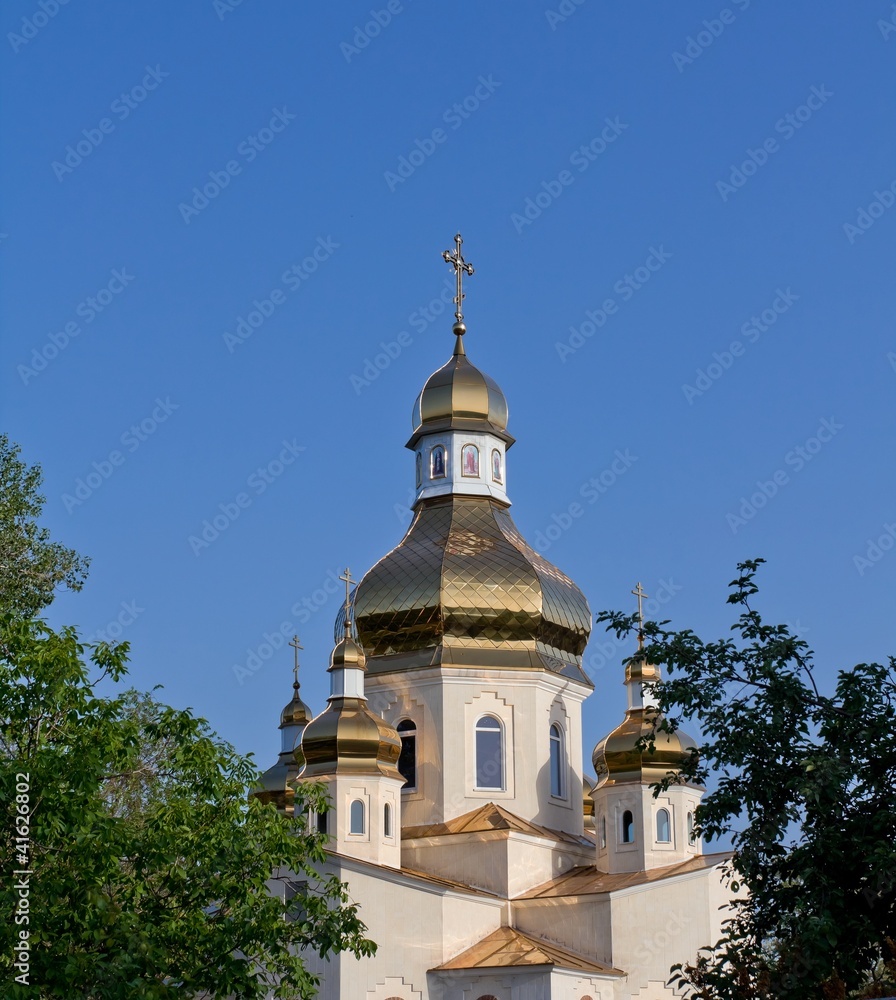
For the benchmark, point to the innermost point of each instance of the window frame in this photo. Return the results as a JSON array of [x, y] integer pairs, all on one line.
[[477, 728], [659, 814], [352, 832], [411, 732], [557, 743]]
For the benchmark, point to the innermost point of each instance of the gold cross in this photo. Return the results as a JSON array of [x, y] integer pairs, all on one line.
[[347, 577], [461, 267], [639, 593], [296, 645]]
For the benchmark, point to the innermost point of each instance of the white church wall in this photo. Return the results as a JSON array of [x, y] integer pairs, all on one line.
[[579, 923]]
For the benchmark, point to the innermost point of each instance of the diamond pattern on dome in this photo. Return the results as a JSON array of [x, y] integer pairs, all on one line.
[[464, 575]]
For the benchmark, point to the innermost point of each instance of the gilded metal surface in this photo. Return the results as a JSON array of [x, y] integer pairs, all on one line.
[[508, 947], [486, 819], [296, 713], [459, 396], [616, 758], [347, 738], [464, 576], [276, 783]]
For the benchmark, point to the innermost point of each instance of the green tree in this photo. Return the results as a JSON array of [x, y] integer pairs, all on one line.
[[805, 787], [150, 868], [31, 566]]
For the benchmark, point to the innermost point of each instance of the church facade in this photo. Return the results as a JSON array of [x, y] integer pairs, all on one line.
[[486, 863]]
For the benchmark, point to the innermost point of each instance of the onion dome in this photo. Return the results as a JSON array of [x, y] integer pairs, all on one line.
[[296, 713], [617, 758], [460, 397], [464, 581], [347, 738]]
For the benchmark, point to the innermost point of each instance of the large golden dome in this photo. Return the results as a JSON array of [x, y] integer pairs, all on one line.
[[347, 738], [464, 582], [460, 397]]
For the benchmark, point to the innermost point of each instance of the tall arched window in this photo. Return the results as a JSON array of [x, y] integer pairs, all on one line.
[[628, 827], [356, 817], [387, 820], [489, 753], [603, 832], [557, 783], [691, 836], [437, 462], [407, 760], [322, 822], [663, 827]]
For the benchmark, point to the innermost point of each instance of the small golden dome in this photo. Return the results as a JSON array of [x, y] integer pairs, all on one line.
[[460, 397], [296, 713], [347, 738], [617, 757]]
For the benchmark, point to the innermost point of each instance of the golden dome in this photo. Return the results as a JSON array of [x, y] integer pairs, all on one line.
[[617, 758], [347, 738], [464, 577], [275, 785], [460, 397], [296, 713]]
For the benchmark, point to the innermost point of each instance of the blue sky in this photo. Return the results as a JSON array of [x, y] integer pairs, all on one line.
[[682, 223]]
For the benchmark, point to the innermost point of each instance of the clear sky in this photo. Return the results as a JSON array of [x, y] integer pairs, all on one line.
[[222, 233]]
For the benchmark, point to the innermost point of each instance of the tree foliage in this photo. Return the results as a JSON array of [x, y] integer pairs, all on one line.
[[805, 786], [31, 565], [151, 871]]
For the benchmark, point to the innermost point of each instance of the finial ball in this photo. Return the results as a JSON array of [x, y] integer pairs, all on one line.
[[459, 329]]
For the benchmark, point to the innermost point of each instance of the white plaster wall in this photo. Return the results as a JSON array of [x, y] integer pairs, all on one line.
[[374, 792], [581, 924], [454, 481]]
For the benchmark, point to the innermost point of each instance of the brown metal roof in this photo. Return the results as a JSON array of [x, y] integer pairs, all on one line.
[[588, 879], [486, 818], [507, 947]]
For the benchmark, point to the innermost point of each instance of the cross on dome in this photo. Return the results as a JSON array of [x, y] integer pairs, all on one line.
[[296, 645], [461, 267], [639, 593]]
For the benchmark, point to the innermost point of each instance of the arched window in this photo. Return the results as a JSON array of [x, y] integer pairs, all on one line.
[[497, 471], [557, 782], [489, 753], [419, 465], [663, 827], [437, 462], [691, 836], [470, 460], [322, 823], [628, 827], [603, 832], [387, 820], [407, 760], [356, 817]]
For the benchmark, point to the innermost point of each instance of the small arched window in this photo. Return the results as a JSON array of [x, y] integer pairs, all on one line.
[[691, 836], [628, 827], [322, 823], [470, 460], [419, 466], [603, 832], [663, 827], [497, 471], [407, 760], [489, 753], [387, 820], [356, 817], [437, 462], [557, 782]]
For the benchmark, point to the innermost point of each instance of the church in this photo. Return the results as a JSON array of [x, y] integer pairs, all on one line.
[[486, 863]]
